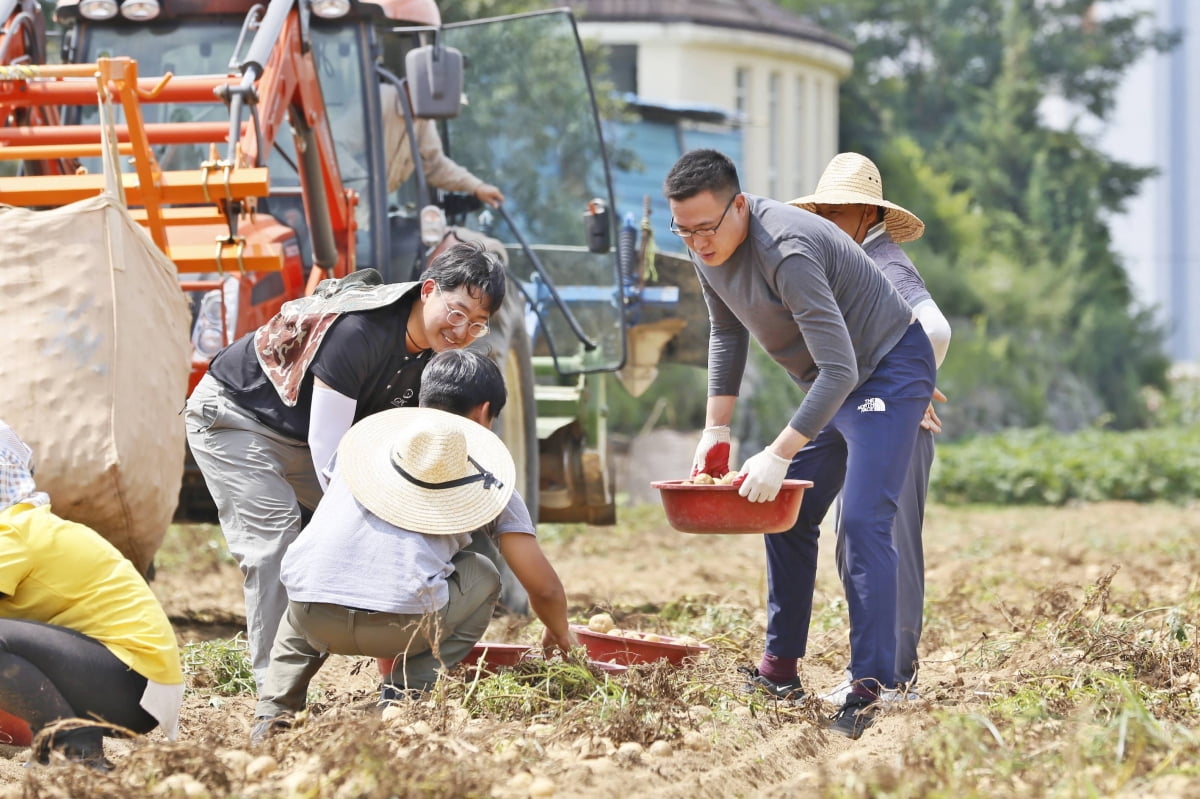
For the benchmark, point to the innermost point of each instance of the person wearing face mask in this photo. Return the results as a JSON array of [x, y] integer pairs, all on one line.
[[823, 311], [850, 194], [265, 421]]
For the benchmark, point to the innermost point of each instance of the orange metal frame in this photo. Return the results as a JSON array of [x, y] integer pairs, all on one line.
[[289, 83]]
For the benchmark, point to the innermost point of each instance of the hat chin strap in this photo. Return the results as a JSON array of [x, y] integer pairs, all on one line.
[[489, 480]]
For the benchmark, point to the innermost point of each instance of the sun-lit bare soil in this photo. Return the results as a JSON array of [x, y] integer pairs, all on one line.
[[1013, 595]]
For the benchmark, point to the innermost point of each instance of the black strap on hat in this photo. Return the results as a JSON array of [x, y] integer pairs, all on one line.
[[489, 480]]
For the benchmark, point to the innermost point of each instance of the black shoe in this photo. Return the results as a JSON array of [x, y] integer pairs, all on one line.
[[83, 745], [395, 694], [266, 726], [854, 717], [755, 682]]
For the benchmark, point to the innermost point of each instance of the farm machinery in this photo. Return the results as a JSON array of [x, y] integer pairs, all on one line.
[[251, 143]]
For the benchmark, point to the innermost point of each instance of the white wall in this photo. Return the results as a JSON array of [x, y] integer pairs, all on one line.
[[1159, 235], [685, 62]]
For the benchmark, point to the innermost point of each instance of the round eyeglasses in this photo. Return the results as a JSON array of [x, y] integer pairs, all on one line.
[[456, 318]]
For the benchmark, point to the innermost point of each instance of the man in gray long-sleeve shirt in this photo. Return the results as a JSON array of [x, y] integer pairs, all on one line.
[[822, 310]]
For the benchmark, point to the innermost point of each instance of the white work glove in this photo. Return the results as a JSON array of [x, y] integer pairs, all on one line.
[[762, 476], [712, 453]]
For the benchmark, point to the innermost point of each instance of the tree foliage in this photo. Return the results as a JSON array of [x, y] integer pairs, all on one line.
[[956, 99]]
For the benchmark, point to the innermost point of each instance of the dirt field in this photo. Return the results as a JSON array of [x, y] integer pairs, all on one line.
[[998, 580]]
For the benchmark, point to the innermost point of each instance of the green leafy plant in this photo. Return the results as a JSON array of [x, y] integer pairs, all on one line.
[[1041, 467], [220, 666]]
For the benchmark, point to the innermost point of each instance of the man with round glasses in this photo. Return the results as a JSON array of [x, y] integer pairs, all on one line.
[[823, 310], [266, 420]]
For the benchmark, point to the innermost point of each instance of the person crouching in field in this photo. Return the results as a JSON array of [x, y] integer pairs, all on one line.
[[382, 569], [81, 635]]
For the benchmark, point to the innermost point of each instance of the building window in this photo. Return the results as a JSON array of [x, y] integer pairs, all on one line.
[[774, 135], [622, 67], [741, 93], [801, 143], [818, 121]]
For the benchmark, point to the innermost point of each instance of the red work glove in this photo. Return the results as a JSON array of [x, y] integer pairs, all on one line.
[[712, 453]]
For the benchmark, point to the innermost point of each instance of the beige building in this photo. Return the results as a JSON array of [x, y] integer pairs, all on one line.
[[777, 71]]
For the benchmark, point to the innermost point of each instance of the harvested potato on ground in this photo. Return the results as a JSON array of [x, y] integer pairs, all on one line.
[[601, 623]]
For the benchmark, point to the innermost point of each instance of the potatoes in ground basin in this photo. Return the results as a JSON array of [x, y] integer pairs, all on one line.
[[703, 479], [601, 623]]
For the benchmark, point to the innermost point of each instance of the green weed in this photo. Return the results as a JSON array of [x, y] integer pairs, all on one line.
[[220, 666]]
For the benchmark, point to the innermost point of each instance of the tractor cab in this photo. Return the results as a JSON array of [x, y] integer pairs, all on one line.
[[526, 122]]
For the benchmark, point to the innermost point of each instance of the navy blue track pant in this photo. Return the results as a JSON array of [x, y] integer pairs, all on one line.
[[864, 452]]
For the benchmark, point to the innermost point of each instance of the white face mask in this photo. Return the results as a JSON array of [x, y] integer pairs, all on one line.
[[16, 471]]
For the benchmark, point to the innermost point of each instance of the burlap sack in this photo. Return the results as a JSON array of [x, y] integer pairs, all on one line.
[[94, 361]]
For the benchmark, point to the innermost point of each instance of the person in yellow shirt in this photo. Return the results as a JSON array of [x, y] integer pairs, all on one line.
[[81, 634]]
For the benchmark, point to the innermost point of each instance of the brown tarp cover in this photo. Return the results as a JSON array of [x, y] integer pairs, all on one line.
[[94, 359]]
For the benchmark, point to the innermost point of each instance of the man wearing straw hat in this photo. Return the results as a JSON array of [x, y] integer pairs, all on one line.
[[825, 313], [850, 194], [382, 569]]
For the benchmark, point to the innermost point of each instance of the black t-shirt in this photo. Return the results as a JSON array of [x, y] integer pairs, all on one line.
[[362, 356]]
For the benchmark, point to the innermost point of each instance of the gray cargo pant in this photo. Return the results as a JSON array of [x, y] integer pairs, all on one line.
[[421, 645], [906, 536], [259, 479]]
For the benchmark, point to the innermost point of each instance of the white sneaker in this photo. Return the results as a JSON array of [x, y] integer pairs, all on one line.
[[892, 695], [838, 695]]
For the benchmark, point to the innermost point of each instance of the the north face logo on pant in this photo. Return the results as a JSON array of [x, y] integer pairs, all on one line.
[[872, 404]]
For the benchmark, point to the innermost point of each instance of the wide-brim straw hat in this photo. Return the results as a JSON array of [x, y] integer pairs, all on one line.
[[853, 179], [427, 471]]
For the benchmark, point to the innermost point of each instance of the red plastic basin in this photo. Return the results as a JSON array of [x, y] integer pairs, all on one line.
[[630, 651], [489, 654], [492, 654], [719, 508], [14, 731]]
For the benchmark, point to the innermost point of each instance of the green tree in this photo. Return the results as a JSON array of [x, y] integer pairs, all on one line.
[[950, 98]]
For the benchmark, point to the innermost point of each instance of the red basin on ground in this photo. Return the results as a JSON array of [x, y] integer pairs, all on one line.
[[14, 731], [719, 509], [496, 654], [493, 654], [630, 651]]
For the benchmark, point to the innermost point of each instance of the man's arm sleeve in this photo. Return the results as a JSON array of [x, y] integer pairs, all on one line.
[[331, 416], [804, 289], [728, 346], [936, 326], [440, 169]]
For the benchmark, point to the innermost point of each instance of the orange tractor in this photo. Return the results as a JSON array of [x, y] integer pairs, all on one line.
[[252, 149]]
